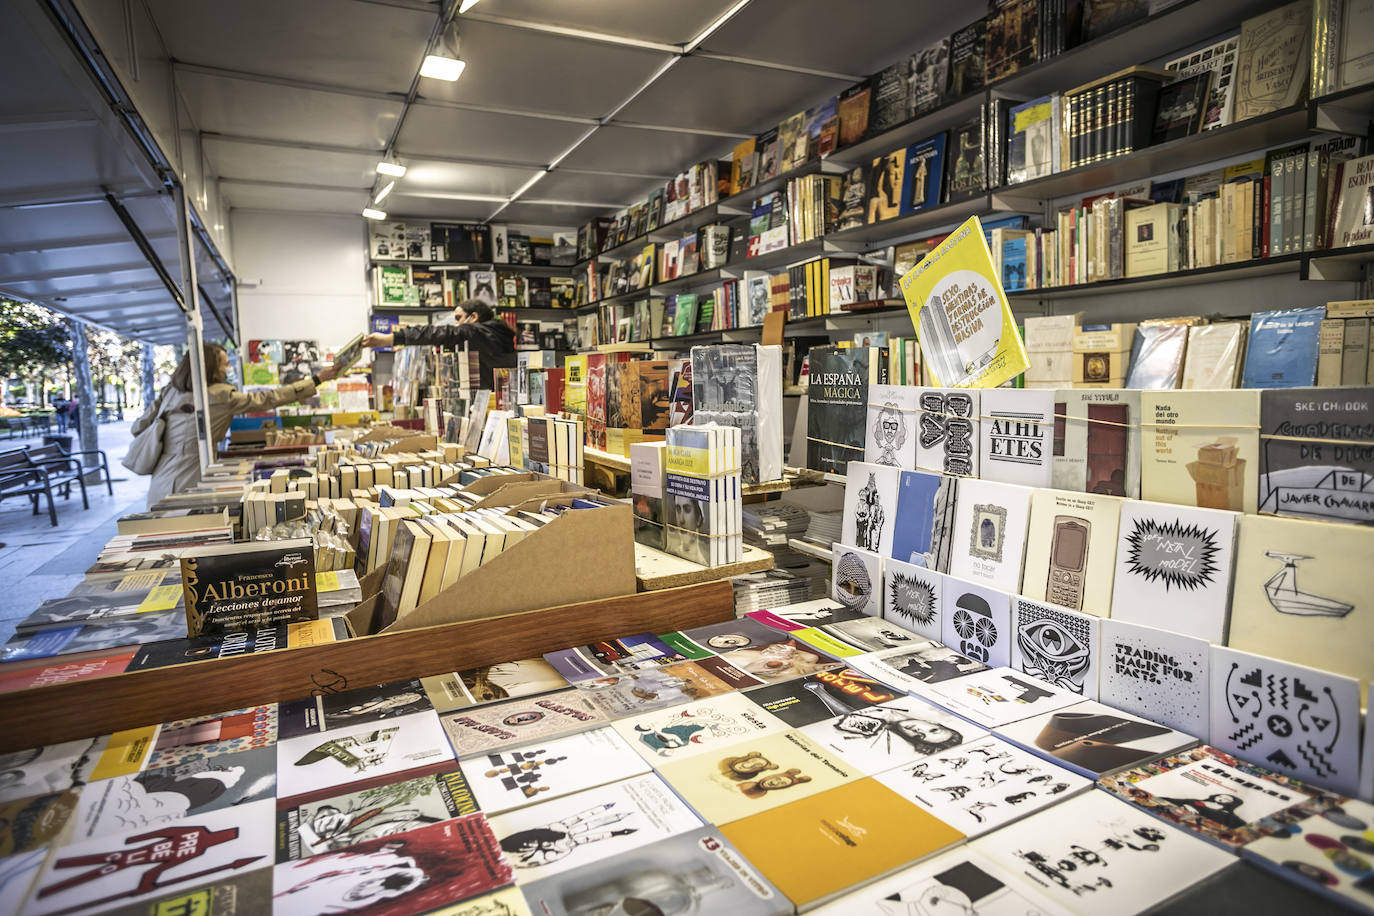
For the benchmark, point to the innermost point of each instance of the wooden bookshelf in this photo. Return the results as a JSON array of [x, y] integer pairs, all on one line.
[[656, 570]]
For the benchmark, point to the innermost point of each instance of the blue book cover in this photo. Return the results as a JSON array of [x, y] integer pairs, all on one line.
[[1006, 222], [1282, 352], [925, 504], [925, 163], [1014, 263]]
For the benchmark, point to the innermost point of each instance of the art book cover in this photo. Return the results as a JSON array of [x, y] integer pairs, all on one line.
[[925, 511], [1157, 674], [967, 332], [54, 768], [346, 756], [870, 506], [1071, 550], [924, 174], [1096, 854], [1016, 436], [630, 694], [1056, 645], [869, 634], [970, 882], [446, 692], [780, 659], [856, 579], [514, 722], [1201, 448], [340, 821], [1097, 441], [912, 598], [1304, 591], [1173, 568], [122, 869], [201, 737], [1327, 853], [154, 797], [948, 432], [976, 621], [551, 769], [988, 538], [413, 872], [914, 669], [983, 785], [82, 609], [764, 772], [837, 404], [612, 656], [1219, 797], [819, 612], [891, 430], [999, 697], [34, 823], [849, 835], [359, 706], [877, 738], [810, 699], [700, 867], [1294, 720], [1093, 739], [696, 728], [241, 895], [1317, 453], [577, 830]]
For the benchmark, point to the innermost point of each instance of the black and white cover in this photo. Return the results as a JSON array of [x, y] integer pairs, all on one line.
[[695, 728], [551, 769], [1095, 854], [1317, 453], [983, 785], [912, 597], [54, 768], [1016, 436], [976, 621], [343, 756], [891, 432], [1173, 568], [1057, 645], [88, 609], [1157, 674], [358, 706], [480, 729], [1294, 720], [856, 579], [929, 78], [948, 432], [871, 634], [1093, 739], [915, 669], [870, 506], [988, 541], [891, 734], [999, 697], [740, 385]]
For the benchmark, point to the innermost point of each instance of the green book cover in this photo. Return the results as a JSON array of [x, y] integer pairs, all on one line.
[[686, 316]]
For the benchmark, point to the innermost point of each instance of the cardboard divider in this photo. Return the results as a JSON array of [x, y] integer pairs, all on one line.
[[413, 443]]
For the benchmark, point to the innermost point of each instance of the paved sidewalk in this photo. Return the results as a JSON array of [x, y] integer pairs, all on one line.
[[38, 561]]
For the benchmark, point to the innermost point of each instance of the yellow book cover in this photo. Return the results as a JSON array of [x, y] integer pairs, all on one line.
[[1304, 592], [1200, 448], [161, 598], [968, 336], [309, 633], [515, 436], [125, 753], [838, 840], [762, 773], [1071, 550], [825, 642]]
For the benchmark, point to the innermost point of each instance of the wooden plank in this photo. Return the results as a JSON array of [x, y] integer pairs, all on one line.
[[606, 459], [655, 570], [81, 709]]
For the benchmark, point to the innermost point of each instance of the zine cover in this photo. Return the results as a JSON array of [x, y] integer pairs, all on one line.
[[912, 598], [106, 871], [913, 669], [972, 883], [1093, 739], [1325, 852], [550, 769], [1096, 854], [1200, 448], [699, 866], [988, 539], [630, 694], [948, 432], [976, 621], [891, 430], [155, 797], [983, 785], [327, 760], [341, 821], [1173, 568], [577, 830], [1218, 797], [236, 895], [514, 722], [764, 772], [967, 332], [1097, 441], [856, 579], [198, 738], [696, 728], [870, 506], [783, 658], [1056, 645], [413, 872], [1016, 436], [1071, 550], [509, 680], [54, 768], [1158, 674], [1317, 453], [1294, 720], [359, 706], [807, 700], [900, 731], [999, 697], [1304, 591]]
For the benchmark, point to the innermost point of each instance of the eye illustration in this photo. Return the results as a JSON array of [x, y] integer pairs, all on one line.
[[1053, 653]]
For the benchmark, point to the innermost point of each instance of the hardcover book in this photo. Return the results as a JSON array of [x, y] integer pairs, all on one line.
[[966, 53], [924, 174], [967, 170], [887, 179], [248, 586], [999, 696], [1353, 222], [900, 731], [1031, 140], [988, 538], [929, 79], [696, 728], [1156, 674], [976, 621], [551, 769], [837, 405], [1321, 852], [1016, 436], [1093, 739], [911, 597], [1071, 550], [1200, 448], [1317, 454], [1097, 441]]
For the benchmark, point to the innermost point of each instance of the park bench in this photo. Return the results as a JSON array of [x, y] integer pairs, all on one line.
[[18, 477], [62, 469]]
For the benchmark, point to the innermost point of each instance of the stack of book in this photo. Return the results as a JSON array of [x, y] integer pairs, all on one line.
[[704, 504]]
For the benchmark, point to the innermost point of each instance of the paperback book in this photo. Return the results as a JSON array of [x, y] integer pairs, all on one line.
[[1201, 448], [507, 780], [696, 728], [1097, 441], [1071, 550], [892, 428], [359, 755], [912, 598], [999, 696], [891, 734], [1157, 674], [870, 506], [1317, 454], [856, 579], [247, 586], [630, 694], [949, 432], [837, 405], [1093, 739], [1056, 645], [958, 875], [925, 509], [988, 538], [523, 721], [914, 669], [1016, 436], [976, 621], [1324, 852], [817, 697]]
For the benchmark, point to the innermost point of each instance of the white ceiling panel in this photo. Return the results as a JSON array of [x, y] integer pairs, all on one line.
[[656, 152], [426, 177], [539, 214], [443, 210], [258, 197], [49, 164], [433, 131], [255, 109], [703, 93], [518, 68], [236, 159], [658, 20], [619, 190], [363, 45]]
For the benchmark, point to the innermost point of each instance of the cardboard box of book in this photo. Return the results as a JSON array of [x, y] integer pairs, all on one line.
[[1101, 354]]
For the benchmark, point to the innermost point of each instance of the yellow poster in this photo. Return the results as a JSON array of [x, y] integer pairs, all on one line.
[[968, 336]]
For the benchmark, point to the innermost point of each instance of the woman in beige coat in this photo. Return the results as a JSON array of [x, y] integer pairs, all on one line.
[[179, 466]]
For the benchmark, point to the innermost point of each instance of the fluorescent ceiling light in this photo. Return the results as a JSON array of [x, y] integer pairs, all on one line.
[[391, 169], [442, 68], [372, 213], [466, 5], [381, 195]]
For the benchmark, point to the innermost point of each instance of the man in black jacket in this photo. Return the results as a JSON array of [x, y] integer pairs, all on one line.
[[491, 338]]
